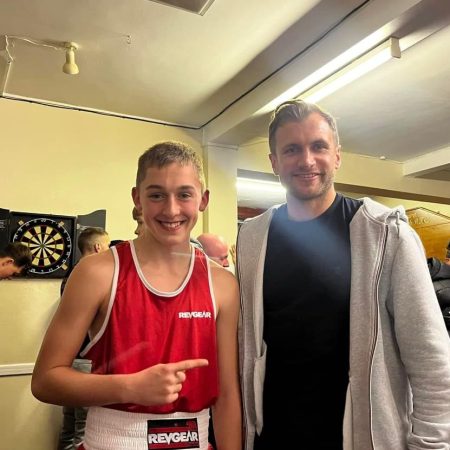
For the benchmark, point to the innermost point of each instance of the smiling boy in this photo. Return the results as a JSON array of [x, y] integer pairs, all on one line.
[[163, 324]]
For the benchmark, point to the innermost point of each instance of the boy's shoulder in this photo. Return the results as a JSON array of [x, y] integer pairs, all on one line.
[[96, 266], [223, 280]]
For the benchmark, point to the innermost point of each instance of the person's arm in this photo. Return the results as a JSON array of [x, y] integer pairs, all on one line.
[[227, 413], [84, 301], [423, 343]]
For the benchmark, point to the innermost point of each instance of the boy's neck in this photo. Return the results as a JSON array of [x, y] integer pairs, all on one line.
[[165, 268]]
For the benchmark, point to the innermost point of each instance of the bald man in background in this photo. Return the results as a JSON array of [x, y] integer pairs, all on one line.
[[215, 247]]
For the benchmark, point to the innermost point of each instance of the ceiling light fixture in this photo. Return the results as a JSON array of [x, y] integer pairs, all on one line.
[[70, 67], [195, 6], [355, 55], [362, 65]]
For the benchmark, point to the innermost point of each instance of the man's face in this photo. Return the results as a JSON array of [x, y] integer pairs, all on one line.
[[217, 251], [170, 199], [222, 260], [8, 269], [306, 157]]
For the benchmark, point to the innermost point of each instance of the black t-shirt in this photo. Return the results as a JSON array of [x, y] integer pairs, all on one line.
[[306, 328]]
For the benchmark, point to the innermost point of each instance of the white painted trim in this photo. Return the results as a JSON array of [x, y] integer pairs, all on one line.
[[430, 162], [16, 369], [103, 112]]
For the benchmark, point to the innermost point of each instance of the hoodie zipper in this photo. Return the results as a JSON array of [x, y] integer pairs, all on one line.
[[375, 326]]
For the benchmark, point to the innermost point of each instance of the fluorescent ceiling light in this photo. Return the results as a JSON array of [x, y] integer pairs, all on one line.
[[369, 61], [195, 6], [261, 186], [328, 69]]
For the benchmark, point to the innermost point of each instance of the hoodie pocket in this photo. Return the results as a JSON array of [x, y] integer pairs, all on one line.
[[258, 386]]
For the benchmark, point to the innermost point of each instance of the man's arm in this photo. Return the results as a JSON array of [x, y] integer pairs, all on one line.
[[84, 303], [424, 345], [227, 413]]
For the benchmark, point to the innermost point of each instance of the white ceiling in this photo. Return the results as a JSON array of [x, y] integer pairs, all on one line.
[[219, 71], [143, 58]]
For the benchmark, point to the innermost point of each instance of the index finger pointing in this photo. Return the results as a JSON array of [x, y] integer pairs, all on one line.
[[188, 364]]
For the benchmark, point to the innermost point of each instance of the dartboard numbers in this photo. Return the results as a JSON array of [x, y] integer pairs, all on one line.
[[49, 242]]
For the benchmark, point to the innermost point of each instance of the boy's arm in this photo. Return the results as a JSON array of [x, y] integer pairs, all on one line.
[[227, 413], [85, 299]]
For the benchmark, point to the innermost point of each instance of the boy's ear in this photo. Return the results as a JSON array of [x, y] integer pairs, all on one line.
[[6, 261], [205, 200], [135, 197]]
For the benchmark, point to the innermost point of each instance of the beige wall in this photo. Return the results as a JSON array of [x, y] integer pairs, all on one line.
[[25, 311], [69, 162], [25, 423], [59, 162], [221, 169]]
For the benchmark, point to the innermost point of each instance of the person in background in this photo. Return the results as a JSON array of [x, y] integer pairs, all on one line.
[[163, 323], [91, 240], [440, 275], [215, 247], [15, 259], [447, 255], [342, 342]]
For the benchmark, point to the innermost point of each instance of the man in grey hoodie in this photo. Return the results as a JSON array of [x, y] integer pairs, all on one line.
[[342, 342]]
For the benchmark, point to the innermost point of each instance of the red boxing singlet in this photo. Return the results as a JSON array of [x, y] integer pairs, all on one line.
[[145, 327]]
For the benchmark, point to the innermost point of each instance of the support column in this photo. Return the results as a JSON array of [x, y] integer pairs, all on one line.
[[220, 165]]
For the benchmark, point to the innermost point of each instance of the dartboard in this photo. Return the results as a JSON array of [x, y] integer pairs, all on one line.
[[49, 242]]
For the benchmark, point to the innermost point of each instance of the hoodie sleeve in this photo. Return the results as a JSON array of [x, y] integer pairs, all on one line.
[[423, 343]]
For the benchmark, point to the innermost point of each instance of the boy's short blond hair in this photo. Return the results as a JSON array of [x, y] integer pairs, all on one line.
[[168, 152]]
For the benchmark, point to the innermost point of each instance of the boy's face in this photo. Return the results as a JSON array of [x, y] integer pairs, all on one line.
[[8, 268], [170, 199]]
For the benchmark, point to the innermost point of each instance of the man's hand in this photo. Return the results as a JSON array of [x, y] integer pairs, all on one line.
[[160, 384]]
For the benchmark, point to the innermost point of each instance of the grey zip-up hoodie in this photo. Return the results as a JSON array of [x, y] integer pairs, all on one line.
[[398, 395]]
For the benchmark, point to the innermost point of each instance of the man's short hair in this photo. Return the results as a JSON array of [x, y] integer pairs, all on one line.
[[20, 253], [88, 237], [296, 111], [164, 153]]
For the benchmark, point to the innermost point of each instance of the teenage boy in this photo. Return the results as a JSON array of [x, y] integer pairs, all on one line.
[[163, 324]]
